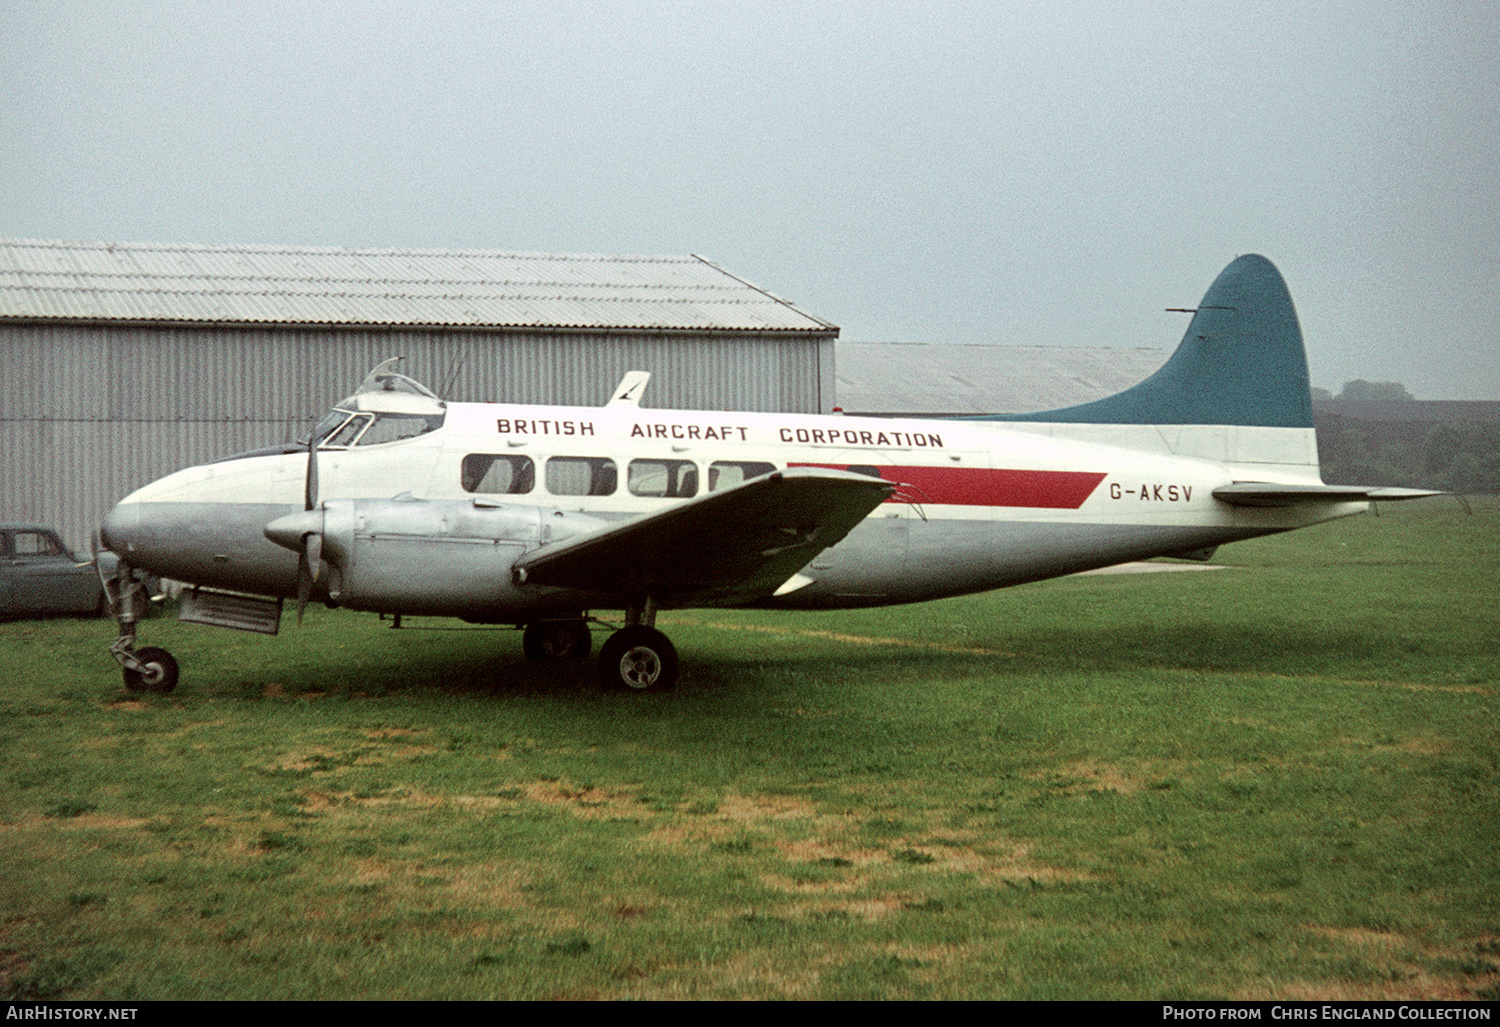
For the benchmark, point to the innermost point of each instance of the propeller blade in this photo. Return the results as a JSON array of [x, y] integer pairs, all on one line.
[[310, 559], [310, 490], [304, 581], [107, 581], [312, 548]]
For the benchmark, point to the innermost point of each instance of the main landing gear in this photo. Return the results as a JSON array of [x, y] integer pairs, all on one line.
[[637, 658], [557, 640], [145, 670]]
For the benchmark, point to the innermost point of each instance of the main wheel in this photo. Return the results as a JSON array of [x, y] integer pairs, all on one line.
[[638, 659], [557, 640], [159, 675]]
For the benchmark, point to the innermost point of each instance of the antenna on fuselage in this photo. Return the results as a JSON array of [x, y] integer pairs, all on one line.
[[628, 392], [463, 357]]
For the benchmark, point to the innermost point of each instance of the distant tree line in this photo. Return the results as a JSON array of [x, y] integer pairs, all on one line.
[[1455, 456]]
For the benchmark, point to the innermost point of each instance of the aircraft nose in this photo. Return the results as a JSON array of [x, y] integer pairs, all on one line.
[[121, 527]]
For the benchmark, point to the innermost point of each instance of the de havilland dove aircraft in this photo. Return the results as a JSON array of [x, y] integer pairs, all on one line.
[[536, 516]]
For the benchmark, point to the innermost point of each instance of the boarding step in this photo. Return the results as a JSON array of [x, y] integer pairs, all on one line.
[[230, 610]]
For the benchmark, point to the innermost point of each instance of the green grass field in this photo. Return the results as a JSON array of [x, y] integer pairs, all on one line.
[[1278, 780]]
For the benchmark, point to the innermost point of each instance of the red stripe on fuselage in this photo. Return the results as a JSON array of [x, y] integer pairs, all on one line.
[[984, 486]]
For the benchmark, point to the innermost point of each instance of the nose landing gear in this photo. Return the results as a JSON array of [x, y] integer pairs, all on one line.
[[145, 670]]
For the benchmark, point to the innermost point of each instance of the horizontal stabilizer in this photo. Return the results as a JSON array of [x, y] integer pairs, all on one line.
[[1261, 493]]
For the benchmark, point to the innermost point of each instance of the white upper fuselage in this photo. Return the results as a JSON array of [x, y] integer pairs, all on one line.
[[957, 469], [978, 505]]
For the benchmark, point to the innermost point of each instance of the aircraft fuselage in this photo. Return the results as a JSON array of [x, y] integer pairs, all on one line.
[[539, 515], [977, 506]]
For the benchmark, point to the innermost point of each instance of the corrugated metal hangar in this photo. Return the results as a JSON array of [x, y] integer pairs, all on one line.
[[904, 379], [123, 363]]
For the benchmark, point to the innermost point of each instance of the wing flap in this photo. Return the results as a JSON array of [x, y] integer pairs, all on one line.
[[1270, 494], [724, 547]]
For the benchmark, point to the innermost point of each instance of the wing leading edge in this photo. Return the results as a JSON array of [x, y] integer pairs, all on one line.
[[721, 548]]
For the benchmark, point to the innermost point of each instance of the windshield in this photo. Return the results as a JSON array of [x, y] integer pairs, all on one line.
[[325, 426], [341, 429], [387, 407]]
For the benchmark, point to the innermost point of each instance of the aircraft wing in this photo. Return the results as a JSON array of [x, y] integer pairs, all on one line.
[[725, 547], [1259, 493]]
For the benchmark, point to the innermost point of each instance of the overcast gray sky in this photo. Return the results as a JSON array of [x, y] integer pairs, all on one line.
[[1039, 173]]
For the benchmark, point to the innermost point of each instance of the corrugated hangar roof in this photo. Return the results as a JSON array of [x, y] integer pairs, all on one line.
[[46, 280], [938, 378]]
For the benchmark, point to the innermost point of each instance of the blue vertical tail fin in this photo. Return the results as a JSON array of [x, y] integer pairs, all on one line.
[[1241, 362]]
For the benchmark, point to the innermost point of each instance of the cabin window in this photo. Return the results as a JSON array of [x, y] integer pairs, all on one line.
[[582, 476], [668, 479], [724, 474], [498, 474]]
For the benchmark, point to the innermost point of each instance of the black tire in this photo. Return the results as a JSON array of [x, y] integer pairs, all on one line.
[[557, 640], [160, 674], [638, 659]]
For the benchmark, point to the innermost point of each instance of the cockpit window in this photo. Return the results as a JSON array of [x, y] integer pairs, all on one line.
[[394, 427], [346, 435], [385, 378], [341, 429], [387, 407], [325, 427]]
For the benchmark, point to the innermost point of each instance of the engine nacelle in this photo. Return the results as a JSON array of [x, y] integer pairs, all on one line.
[[440, 557]]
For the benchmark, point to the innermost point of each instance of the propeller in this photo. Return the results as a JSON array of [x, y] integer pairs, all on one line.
[[302, 533], [310, 486], [310, 559], [122, 592], [108, 582]]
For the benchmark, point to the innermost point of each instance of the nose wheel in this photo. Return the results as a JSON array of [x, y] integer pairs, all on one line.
[[156, 671]]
